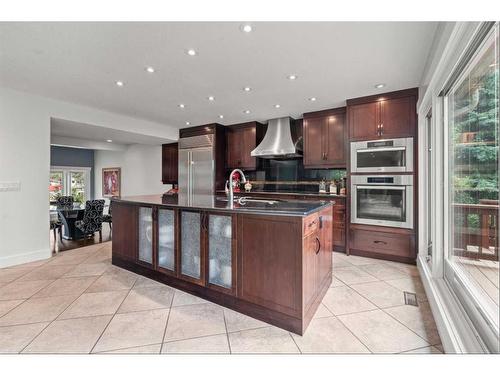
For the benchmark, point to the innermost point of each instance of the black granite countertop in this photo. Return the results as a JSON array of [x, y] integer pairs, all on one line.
[[219, 203]]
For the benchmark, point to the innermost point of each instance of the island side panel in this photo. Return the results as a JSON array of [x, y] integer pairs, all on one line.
[[269, 262], [316, 261], [125, 231]]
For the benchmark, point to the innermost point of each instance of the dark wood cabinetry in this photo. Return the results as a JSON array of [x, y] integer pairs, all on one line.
[[241, 139], [325, 135], [389, 115], [384, 116], [169, 163], [378, 242]]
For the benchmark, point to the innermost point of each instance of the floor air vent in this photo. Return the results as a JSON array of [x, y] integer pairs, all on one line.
[[410, 299]]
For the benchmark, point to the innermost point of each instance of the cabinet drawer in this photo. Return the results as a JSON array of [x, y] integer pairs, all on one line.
[[311, 224], [381, 242]]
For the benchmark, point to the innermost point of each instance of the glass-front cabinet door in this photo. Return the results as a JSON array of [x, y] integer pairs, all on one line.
[[166, 239], [220, 250], [191, 245], [146, 235]]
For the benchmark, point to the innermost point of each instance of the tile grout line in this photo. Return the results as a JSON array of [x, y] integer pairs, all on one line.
[[227, 333], [291, 336], [403, 324], [357, 338], [341, 322], [166, 323], [114, 314], [52, 321]]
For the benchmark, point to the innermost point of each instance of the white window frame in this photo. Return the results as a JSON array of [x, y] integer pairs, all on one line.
[[458, 333], [469, 296], [67, 178]]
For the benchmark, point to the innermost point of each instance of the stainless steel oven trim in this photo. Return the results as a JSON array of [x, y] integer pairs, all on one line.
[[401, 182], [399, 144]]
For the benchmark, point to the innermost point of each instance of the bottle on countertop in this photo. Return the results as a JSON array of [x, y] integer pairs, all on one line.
[[333, 187], [322, 186], [343, 190]]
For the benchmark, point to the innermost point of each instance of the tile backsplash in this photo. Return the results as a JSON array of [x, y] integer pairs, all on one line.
[[289, 175]]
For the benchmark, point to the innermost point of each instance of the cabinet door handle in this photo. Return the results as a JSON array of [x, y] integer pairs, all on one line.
[[382, 242], [318, 242], [381, 129]]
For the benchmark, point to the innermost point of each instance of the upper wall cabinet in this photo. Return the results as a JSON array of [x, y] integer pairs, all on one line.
[[389, 115], [241, 139], [324, 139], [169, 163]]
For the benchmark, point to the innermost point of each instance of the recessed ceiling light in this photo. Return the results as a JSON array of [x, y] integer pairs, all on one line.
[[182, 105], [247, 111], [211, 98], [247, 89], [246, 28], [221, 116], [119, 83], [292, 77], [277, 106], [191, 52], [313, 99], [188, 123], [109, 140], [379, 85], [150, 69]]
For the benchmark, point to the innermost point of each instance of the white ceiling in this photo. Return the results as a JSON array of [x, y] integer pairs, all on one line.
[[80, 62], [71, 129]]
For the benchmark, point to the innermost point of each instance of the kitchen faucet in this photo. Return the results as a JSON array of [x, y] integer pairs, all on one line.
[[231, 195]]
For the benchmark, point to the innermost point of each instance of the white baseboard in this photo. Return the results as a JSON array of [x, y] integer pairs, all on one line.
[[14, 260]]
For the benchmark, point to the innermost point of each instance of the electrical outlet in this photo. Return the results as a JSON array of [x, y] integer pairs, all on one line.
[[10, 186]]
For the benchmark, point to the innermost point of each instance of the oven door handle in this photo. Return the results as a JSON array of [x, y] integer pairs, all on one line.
[[380, 187], [381, 149]]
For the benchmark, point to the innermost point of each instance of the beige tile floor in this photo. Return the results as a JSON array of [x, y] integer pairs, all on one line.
[[77, 302]]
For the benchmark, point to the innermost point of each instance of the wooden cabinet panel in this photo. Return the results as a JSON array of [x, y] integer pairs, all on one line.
[[326, 228], [382, 243], [388, 115], [324, 139], [240, 142], [233, 143], [397, 117], [248, 144], [335, 141], [170, 163], [313, 141], [269, 275], [363, 120], [126, 238], [311, 268]]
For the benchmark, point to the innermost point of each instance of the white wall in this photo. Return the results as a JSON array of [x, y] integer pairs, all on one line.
[[24, 157], [140, 168]]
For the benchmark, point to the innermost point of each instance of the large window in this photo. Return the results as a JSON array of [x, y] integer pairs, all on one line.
[[69, 181], [472, 205]]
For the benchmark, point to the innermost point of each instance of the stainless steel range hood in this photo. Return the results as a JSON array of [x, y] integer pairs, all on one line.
[[278, 141]]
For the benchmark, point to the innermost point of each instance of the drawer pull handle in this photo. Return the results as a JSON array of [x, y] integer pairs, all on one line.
[[382, 242], [319, 245], [312, 223]]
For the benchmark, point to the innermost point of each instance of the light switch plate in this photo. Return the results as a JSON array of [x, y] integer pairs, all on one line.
[[10, 186]]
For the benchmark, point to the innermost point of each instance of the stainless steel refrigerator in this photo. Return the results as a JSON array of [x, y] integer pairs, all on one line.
[[196, 166]]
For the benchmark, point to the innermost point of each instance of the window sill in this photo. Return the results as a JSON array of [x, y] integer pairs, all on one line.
[[455, 329]]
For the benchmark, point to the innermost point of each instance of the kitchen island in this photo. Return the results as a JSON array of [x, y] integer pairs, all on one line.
[[269, 259]]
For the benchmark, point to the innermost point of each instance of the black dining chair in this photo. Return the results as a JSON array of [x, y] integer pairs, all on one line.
[[66, 201], [108, 218], [92, 219]]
